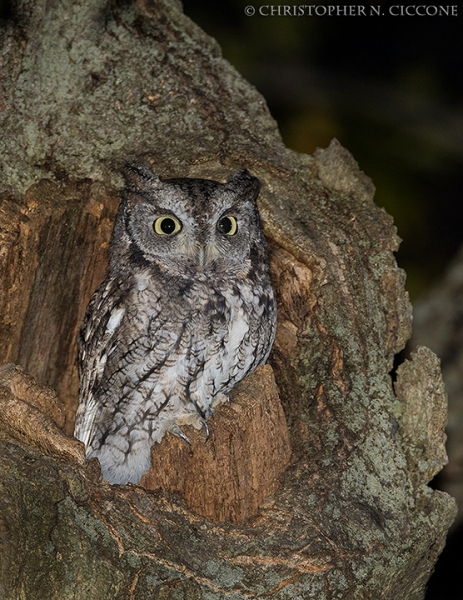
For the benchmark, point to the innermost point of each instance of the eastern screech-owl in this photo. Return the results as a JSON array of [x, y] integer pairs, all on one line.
[[187, 310]]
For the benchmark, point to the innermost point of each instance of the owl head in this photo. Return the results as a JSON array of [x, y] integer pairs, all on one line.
[[187, 225]]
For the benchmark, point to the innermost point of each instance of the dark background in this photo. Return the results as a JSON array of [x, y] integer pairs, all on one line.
[[390, 89]]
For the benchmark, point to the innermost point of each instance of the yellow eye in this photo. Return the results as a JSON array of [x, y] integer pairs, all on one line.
[[167, 225], [227, 226]]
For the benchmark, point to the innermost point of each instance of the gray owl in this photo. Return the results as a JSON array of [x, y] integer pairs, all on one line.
[[187, 310]]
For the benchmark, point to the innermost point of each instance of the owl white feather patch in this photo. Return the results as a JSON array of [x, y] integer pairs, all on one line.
[[115, 320], [84, 423], [237, 329]]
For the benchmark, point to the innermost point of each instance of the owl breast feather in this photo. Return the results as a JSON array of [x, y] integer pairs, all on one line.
[[159, 358]]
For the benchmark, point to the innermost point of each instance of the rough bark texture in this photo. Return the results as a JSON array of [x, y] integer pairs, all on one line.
[[53, 255], [439, 325], [86, 84]]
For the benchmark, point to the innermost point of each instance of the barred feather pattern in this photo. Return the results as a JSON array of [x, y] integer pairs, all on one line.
[[181, 318]]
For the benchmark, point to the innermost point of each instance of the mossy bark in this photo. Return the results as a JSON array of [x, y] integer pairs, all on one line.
[[87, 84]]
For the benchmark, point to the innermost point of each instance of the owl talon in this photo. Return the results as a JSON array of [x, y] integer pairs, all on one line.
[[206, 427], [174, 429]]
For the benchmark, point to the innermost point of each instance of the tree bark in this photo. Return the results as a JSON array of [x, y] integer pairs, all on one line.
[[438, 321], [86, 84]]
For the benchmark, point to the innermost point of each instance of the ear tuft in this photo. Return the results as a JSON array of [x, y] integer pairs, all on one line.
[[138, 176], [242, 181]]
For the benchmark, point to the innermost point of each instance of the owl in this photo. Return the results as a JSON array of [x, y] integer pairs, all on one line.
[[187, 310]]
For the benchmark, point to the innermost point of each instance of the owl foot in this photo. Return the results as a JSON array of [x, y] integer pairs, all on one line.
[[220, 398], [197, 421], [174, 429]]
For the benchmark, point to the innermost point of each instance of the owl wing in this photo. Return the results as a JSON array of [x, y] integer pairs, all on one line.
[[97, 341]]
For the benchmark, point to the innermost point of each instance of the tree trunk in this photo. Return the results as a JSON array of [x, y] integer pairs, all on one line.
[[327, 498]]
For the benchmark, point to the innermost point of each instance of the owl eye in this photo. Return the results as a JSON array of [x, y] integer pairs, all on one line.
[[167, 225], [227, 226]]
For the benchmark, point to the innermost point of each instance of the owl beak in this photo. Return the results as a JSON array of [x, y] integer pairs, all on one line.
[[201, 256], [206, 253]]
